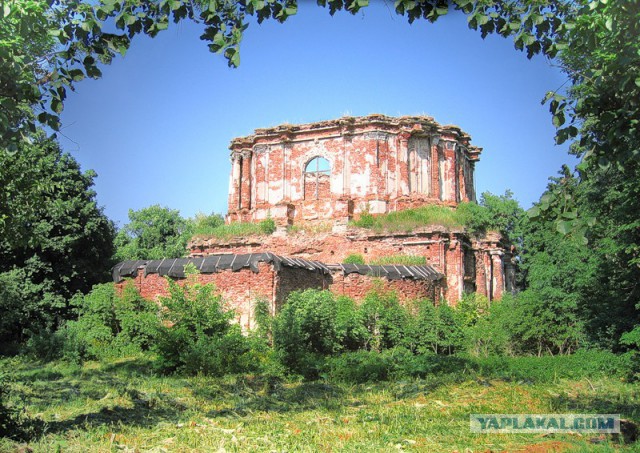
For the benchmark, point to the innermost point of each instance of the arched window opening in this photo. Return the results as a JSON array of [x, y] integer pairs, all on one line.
[[318, 165], [317, 179]]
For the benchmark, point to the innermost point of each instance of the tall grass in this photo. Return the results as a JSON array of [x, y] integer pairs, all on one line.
[[119, 405], [401, 260], [236, 229], [412, 219]]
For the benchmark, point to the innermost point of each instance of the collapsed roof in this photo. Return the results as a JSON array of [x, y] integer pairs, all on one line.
[[175, 267]]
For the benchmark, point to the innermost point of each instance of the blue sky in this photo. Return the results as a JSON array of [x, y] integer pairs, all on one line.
[[156, 128]]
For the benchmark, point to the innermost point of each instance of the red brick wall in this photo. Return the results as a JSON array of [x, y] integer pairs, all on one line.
[[373, 159], [333, 248], [239, 289], [467, 266], [291, 279], [357, 286]]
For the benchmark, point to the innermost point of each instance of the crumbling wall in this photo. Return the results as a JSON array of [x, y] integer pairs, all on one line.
[[239, 289], [377, 164], [357, 286], [294, 279]]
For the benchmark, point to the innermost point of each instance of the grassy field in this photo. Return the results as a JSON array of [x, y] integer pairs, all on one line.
[[120, 406]]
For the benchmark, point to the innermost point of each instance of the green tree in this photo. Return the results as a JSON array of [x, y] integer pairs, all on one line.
[[57, 241], [610, 300], [153, 233], [500, 213]]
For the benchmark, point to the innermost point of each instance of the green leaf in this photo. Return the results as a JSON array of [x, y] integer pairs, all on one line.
[[76, 74], [56, 106], [558, 120], [638, 78], [604, 163], [563, 227]]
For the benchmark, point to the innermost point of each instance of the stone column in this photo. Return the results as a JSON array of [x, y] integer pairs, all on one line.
[[455, 271], [245, 183], [481, 272], [458, 180], [462, 163], [450, 171], [234, 182], [435, 168], [497, 274], [403, 164]]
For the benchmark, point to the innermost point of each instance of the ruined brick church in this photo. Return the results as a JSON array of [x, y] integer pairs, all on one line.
[[313, 180]]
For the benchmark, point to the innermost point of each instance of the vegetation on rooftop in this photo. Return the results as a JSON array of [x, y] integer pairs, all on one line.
[[410, 220], [494, 212], [402, 260], [235, 229]]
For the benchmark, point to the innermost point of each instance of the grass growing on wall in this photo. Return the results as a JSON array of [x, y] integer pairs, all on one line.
[[236, 229], [412, 219], [402, 260]]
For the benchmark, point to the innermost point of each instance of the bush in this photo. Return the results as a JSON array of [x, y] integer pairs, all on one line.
[[435, 329], [354, 258], [366, 220], [386, 321], [267, 226], [110, 324], [351, 333], [196, 336], [46, 344], [397, 363], [305, 330], [204, 225]]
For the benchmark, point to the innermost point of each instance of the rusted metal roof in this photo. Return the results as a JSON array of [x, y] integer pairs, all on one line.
[[393, 272], [174, 267]]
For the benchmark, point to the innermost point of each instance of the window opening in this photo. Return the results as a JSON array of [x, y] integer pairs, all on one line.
[[317, 167]]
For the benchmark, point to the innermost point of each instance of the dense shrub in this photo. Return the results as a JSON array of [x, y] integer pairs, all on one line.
[[434, 329], [524, 324], [305, 330], [196, 336], [351, 333], [110, 324], [582, 364], [385, 320], [358, 366], [267, 226], [397, 363]]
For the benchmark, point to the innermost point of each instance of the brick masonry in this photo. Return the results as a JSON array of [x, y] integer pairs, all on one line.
[[241, 289], [376, 163], [323, 175]]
